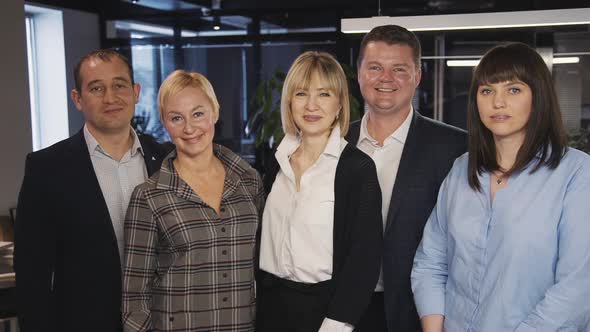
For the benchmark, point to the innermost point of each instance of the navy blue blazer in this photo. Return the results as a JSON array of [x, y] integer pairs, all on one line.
[[67, 264], [429, 152]]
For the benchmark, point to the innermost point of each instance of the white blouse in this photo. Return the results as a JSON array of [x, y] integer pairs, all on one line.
[[297, 234]]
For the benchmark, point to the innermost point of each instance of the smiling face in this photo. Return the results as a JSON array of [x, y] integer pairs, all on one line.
[[315, 108], [107, 97], [388, 77], [189, 118], [504, 108]]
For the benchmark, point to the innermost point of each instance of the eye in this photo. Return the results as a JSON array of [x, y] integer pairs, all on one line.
[[374, 68], [96, 88], [119, 86], [325, 94], [176, 118], [514, 90], [485, 91], [198, 114], [399, 69], [300, 94]]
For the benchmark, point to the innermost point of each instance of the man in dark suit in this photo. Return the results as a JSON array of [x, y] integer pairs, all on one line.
[[413, 154], [72, 203]]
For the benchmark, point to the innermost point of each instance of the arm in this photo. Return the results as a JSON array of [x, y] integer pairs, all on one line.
[[141, 235], [430, 271], [34, 254], [566, 304], [359, 271]]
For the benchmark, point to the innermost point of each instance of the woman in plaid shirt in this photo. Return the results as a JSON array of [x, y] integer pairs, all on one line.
[[190, 229]]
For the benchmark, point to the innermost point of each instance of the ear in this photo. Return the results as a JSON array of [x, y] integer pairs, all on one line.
[[418, 77], [215, 116], [75, 95], [136, 90]]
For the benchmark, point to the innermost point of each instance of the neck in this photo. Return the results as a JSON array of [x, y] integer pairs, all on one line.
[[116, 144], [380, 125], [200, 164], [506, 151], [312, 146]]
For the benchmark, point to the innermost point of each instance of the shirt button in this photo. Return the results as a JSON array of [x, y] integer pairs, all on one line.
[[225, 299], [222, 209], [225, 275], [223, 229], [171, 318], [224, 252]]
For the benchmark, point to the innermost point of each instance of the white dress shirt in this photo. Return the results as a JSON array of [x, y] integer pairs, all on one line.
[[387, 159], [117, 179], [297, 232]]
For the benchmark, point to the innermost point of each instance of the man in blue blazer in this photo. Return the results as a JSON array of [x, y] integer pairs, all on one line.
[[72, 203], [413, 154]]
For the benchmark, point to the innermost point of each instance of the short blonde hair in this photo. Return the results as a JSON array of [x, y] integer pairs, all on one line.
[[299, 77], [177, 81]]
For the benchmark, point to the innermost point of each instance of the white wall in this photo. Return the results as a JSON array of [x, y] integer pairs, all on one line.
[[15, 119]]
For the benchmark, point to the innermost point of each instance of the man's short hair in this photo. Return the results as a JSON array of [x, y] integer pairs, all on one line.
[[392, 35], [105, 55]]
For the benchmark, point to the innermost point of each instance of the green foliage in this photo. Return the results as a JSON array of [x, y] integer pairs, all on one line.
[[265, 121]]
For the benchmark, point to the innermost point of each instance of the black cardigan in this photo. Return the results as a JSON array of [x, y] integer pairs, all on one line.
[[358, 233]]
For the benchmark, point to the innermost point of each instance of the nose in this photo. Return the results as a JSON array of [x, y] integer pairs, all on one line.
[[189, 127], [311, 103], [499, 100], [109, 96], [386, 75]]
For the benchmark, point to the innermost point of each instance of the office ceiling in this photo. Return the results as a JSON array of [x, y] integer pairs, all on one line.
[[291, 14]]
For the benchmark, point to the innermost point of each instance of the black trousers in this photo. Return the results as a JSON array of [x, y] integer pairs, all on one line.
[[288, 306], [373, 319]]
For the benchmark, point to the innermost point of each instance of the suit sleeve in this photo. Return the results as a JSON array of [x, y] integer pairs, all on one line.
[[141, 235], [430, 271], [35, 252], [360, 270], [565, 305]]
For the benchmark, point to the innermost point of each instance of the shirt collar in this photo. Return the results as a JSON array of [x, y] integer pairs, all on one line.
[[290, 143], [94, 146], [400, 134]]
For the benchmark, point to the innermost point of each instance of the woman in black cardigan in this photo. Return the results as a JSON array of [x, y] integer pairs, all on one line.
[[321, 235]]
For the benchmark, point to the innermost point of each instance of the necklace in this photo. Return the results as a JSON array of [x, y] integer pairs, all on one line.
[[498, 180]]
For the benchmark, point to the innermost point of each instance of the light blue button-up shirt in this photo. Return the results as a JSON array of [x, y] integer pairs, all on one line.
[[520, 263]]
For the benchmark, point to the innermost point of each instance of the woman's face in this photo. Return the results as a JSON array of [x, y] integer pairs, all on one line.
[[190, 120], [315, 109], [504, 108]]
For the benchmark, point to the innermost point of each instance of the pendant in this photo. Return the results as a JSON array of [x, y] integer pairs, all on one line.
[[499, 180]]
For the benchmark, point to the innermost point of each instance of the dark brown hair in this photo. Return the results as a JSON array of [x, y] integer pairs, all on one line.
[[105, 55], [392, 35], [545, 135]]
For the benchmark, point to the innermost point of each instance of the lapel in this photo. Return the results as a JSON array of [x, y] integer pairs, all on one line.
[[150, 157], [406, 170], [87, 186]]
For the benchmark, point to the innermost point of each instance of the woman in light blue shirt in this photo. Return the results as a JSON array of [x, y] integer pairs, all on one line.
[[507, 247]]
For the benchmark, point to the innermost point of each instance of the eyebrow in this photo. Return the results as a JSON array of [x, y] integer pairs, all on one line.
[[117, 78]]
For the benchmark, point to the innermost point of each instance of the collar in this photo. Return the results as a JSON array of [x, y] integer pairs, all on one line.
[[94, 146], [400, 134], [290, 143]]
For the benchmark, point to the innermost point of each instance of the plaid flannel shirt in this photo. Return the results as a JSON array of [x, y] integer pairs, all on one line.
[[186, 267]]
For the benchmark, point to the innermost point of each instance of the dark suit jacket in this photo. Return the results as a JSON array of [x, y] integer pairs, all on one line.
[[67, 264], [429, 152]]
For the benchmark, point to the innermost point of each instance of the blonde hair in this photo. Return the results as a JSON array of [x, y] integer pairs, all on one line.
[[299, 77], [179, 80]]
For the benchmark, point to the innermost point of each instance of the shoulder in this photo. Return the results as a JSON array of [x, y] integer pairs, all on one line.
[[150, 143], [576, 163], [441, 130], [235, 163], [57, 152], [353, 160]]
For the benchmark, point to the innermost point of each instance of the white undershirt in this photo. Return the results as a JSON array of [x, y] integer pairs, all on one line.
[[297, 228], [387, 159]]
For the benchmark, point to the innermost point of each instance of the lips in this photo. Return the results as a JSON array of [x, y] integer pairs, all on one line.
[[113, 110], [500, 117], [312, 118], [385, 89], [194, 139]]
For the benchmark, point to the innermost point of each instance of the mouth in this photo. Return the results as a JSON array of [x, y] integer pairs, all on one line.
[[312, 118], [500, 117], [113, 110], [387, 90], [194, 139]]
